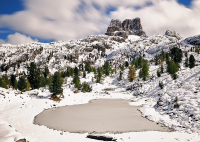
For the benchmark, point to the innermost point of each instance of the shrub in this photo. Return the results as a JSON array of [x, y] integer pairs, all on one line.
[[86, 87], [174, 76], [161, 85], [158, 73]]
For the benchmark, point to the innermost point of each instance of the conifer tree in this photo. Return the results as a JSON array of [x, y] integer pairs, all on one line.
[[186, 62], [197, 50], [158, 73], [22, 83], [6, 80], [162, 68], [13, 81], [131, 74], [76, 79], [122, 68], [162, 56], [156, 60], [42, 81], [2, 84], [87, 67], [144, 71], [86, 87], [126, 64], [56, 84], [76, 82], [46, 72], [84, 74], [140, 62], [99, 75], [34, 76], [27, 85], [136, 63], [186, 54], [191, 61], [176, 55], [106, 68], [172, 67], [120, 75]]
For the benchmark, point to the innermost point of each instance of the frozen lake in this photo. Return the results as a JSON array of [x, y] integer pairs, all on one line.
[[98, 116]]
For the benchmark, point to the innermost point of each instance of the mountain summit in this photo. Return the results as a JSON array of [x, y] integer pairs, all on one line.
[[125, 28]]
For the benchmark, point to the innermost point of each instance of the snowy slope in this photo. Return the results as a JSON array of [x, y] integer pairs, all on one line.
[[19, 110]]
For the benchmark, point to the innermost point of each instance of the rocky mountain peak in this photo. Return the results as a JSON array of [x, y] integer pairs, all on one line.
[[173, 33], [125, 28]]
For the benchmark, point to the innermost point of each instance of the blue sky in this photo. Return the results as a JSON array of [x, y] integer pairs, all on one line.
[[10, 11]]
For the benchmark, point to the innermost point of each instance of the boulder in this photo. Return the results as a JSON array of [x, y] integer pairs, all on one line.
[[101, 137]]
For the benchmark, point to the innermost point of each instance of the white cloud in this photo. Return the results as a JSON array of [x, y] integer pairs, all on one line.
[[163, 15], [17, 38], [2, 41], [72, 19]]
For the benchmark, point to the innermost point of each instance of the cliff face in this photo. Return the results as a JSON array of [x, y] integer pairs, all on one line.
[[172, 33], [125, 28], [195, 40]]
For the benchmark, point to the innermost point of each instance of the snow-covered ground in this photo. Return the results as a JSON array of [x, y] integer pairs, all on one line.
[[19, 111]]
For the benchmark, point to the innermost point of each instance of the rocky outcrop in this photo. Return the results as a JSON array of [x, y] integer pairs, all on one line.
[[126, 28], [195, 40], [172, 33]]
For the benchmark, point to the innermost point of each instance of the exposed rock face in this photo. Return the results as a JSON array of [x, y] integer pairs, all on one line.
[[195, 40], [172, 33], [126, 28]]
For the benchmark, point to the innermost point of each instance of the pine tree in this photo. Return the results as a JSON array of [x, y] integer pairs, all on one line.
[[22, 83], [106, 68], [122, 68], [120, 75], [76, 82], [140, 62], [186, 54], [191, 61], [186, 62], [172, 67], [28, 85], [13, 81], [176, 55], [46, 72], [84, 74], [144, 71], [6, 81], [197, 50], [162, 68], [131, 74], [156, 60], [99, 75], [87, 67], [86, 87], [34, 76], [42, 81], [158, 73], [76, 71], [56, 84], [2, 83], [126, 64]]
